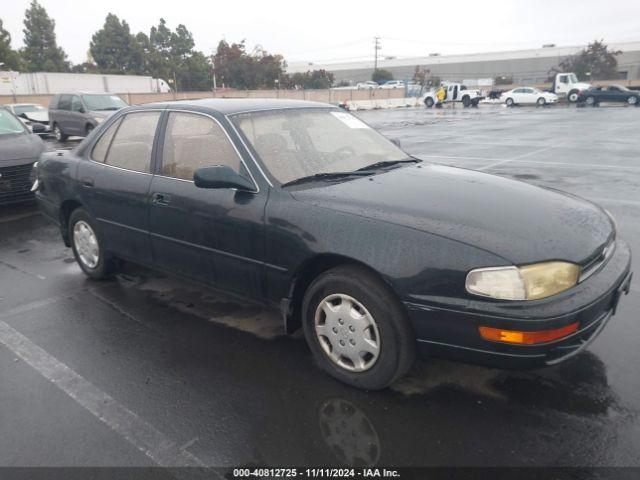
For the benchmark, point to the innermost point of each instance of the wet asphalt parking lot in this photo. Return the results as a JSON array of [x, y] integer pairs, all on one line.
[[149, 370]]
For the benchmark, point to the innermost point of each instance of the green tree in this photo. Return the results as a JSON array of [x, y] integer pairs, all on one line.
[[8, 56], [596, 62], [381, 75], [317, 79], [41, 51], [238, 69], [114, 49]]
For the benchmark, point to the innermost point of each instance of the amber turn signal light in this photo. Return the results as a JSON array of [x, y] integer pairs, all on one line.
[[526, 338]]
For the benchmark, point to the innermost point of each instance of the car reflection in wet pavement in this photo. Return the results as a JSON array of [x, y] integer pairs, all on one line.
[[220, 381]]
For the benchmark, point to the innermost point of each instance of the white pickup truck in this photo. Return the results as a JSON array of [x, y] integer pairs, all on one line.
[[456, 92], [566, 85]]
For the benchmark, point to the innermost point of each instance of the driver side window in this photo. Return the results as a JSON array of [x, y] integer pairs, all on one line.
[[76, 104], [193, 141]]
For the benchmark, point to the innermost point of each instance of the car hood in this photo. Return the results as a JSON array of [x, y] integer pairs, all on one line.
[[19, 148], [582, 86], [519, 222], [42, 116]]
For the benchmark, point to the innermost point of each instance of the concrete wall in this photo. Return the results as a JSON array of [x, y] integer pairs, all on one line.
[[327, 96]]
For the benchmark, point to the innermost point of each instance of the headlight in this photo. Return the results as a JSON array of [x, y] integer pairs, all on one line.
[[98, 119], [531, 282]]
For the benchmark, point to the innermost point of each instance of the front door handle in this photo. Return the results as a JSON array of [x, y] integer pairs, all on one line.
[[88, 182], [161, 198]]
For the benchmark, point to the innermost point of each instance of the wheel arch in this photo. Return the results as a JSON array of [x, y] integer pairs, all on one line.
[[291, 307]]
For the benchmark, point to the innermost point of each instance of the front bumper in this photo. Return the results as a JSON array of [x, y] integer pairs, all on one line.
[[452, 330]]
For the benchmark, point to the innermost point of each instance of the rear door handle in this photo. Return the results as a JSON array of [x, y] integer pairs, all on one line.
[[161, 198], [88, 182]]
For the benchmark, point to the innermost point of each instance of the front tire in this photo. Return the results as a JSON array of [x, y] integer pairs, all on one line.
[[541, 102], [466, 101], [88, 249], [356, 329], [591, 101], [88, 129], [632, 100], [573, 96], [428, 102], [60, 136]]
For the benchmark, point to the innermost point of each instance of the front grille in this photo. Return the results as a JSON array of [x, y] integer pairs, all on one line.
[[15, 183], [598, 262]]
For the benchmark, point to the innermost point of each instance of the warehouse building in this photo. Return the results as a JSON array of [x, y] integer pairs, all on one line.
[[523, 66]]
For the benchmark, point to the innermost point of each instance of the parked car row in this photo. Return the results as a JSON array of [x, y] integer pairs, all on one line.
[[75, 113]]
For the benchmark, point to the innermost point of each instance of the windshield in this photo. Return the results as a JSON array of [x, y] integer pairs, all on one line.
[[20, 109], [103, 102], [298, 143], [9, 123]]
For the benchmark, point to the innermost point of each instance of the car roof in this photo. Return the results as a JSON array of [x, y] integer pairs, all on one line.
[[230, 106], [21, 104]]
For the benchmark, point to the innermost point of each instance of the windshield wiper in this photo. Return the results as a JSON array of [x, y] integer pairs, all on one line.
[[386, 163], [325, 176]]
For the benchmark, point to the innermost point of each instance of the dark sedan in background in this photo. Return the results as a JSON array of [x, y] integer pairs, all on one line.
[[612, 93], [19, 149], [375, 254]]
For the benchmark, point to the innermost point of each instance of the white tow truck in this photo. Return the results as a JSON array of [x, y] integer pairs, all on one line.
[[566, 85], [456, 92]]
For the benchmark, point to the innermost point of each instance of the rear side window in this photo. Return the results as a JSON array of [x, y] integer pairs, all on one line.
[[193, 141], [64, 103], [99, 152], [132, 142], [76, 104], [54, 102]]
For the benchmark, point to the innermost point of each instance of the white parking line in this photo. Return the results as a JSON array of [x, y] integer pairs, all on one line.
[[517, 158], [146, 438]]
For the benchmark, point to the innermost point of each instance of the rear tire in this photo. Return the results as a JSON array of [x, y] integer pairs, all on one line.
[[428, 102], [88, 248], [354, 297], [57, 132], [88, 129], [591, 101], [510, 102], [466, 101]]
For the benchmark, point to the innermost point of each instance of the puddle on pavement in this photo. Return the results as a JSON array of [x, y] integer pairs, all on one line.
[[577, 386], [210, 306]]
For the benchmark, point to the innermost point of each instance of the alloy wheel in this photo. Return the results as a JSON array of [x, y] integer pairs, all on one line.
[[86, 244]]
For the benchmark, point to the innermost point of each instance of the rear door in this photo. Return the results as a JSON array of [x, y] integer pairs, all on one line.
[[213, 235], [115, 182]]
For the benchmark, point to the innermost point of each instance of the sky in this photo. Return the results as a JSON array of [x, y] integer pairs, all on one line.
[[332, 30]]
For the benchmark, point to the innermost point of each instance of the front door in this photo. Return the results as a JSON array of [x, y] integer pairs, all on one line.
[[212, 235], [115, 182], [76, 117]]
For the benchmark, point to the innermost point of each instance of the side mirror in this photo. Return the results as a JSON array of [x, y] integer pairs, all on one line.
[[38, 128], [23, 115], [396, 142], [221, 176]]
